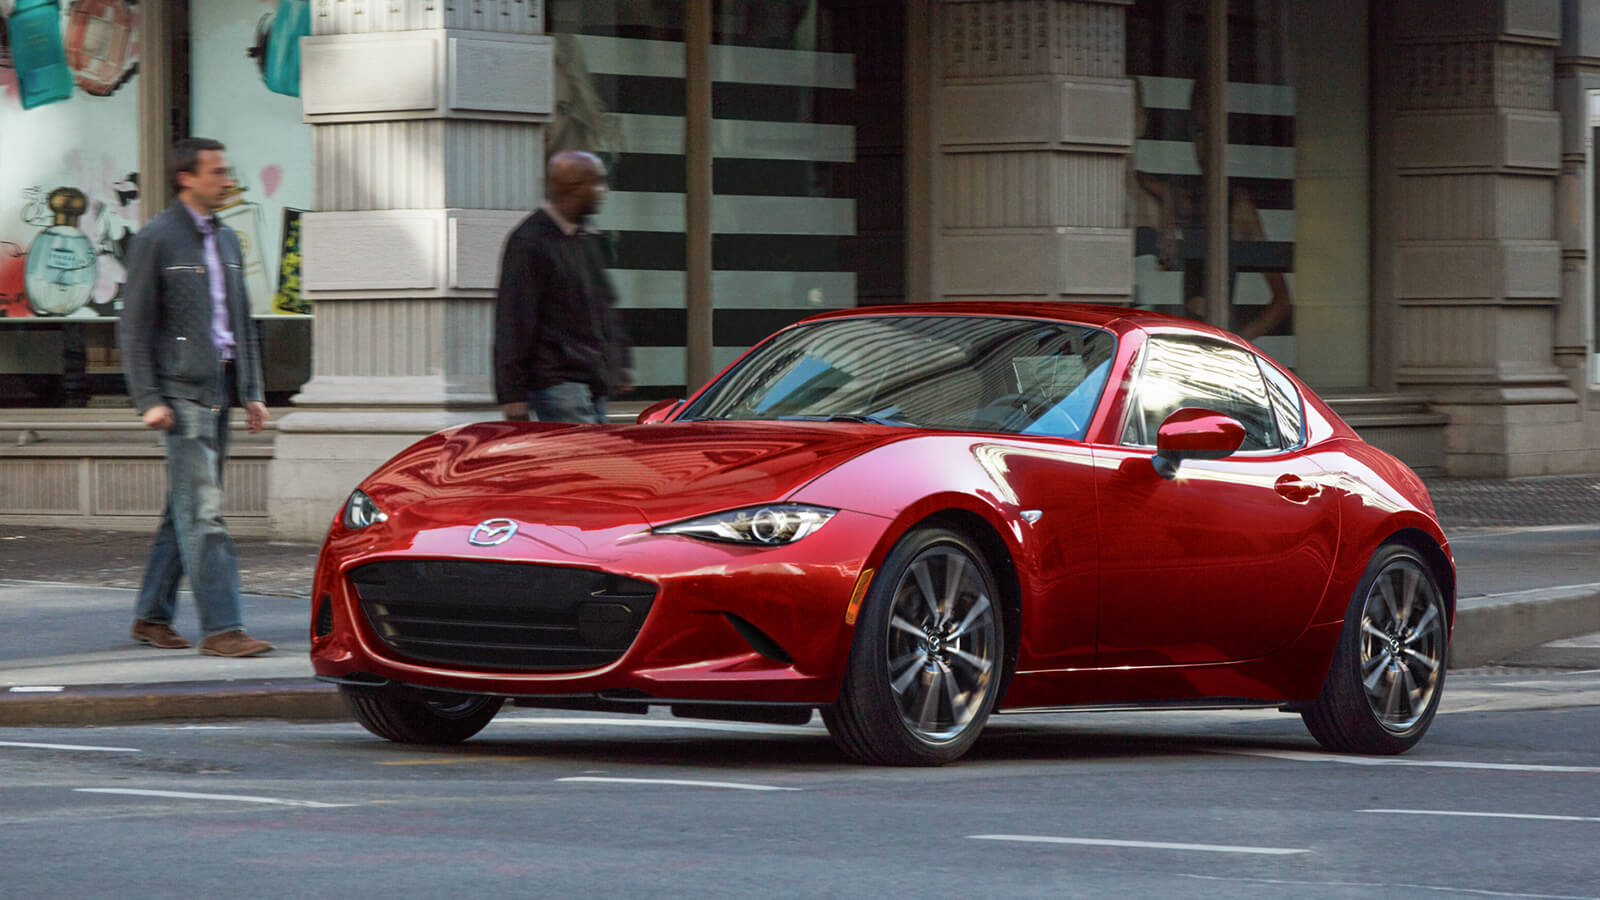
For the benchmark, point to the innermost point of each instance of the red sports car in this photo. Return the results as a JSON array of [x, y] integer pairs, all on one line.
[[909, 518]]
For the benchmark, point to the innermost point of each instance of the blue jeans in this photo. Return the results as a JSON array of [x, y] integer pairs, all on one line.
[[569, 401], [193, 537]]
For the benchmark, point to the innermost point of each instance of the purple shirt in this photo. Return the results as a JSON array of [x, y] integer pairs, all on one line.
[[221, 333]]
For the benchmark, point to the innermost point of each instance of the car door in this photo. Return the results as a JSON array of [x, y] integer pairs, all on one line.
[[1227, 560]]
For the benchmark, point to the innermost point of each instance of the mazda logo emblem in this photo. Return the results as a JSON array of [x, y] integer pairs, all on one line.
[[492, 532]]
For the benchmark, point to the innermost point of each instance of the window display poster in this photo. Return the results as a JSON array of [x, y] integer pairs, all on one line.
[[270, 148], [69, 186]]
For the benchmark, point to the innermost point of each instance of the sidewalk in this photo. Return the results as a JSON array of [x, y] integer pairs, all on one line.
[[1527, 557]]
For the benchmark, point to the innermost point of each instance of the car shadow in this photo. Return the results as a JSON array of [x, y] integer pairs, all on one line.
[[810, 747]]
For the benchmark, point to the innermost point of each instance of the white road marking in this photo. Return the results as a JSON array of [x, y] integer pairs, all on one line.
[[1144, 845], [1300, 756], [1483, 815], [1441, 888], [69, 747], [681, 782], [740, 727], [36, 689], [236, 798]]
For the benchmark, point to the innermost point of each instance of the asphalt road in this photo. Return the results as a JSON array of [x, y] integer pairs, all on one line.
[[1501, 800]]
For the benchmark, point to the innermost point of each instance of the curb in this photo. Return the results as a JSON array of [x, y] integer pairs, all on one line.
[[1488, 629], [129, 703], [1493, 627]]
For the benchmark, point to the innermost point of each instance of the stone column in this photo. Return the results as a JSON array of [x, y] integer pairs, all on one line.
[[1032, 136], [1477, 266], [1577, 75], [428, 146]]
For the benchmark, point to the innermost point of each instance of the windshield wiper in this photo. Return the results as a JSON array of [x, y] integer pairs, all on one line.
[[863, 418]]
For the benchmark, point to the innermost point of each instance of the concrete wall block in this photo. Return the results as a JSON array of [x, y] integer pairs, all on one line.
[[1580, 28], [1038, 263], [998, 265], [428, 164], [998, 113], [1033, 189], [30, 485], [1532, 269], [1486, 139], [1545, 438], [1483, 439], [1535, 19], [403, 253], [1095, 262], [985, 38], [1434, 337], [365, 16], [1097, 112], [434, 73], [1475, 465], [1472, 269], [1446, 18]]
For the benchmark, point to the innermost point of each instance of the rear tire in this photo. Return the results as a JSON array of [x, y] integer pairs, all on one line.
[[411, 716], [1387, 675], [927, 662]]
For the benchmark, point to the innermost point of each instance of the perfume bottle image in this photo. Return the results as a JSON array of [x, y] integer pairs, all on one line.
[[100, 35], [61, 261], [34, 30]]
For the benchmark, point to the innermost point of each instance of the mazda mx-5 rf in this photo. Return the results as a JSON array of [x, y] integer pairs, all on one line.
[[908, 518]]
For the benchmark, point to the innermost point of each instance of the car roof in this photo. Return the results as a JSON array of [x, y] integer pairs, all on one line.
[[1114, 318]]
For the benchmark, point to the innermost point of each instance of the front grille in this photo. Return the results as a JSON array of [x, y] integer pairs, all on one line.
[[501, 615]]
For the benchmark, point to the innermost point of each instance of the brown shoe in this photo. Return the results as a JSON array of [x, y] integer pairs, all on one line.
[[233, 643], [158, 634]]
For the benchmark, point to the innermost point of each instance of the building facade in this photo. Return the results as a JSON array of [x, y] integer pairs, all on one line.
[[1393, 199]]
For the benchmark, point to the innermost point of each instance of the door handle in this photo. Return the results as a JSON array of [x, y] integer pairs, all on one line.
[[1296, 489]]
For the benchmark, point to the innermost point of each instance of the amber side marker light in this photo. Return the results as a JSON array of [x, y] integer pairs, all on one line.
[[857, 596]]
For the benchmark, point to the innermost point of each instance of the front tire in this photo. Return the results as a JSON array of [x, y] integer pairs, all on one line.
[[1387, 675], [926, 665], [420, 717]]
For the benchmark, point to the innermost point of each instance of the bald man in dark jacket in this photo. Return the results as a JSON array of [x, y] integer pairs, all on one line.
[[558, 347]]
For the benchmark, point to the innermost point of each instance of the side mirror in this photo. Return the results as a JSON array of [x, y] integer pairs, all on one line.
[[657, 412], [1194, 434]]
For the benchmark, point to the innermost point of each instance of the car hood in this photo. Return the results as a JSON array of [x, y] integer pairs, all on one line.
[[666, 472]]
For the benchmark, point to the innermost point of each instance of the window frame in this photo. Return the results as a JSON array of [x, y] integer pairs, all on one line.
[[1133, 410]]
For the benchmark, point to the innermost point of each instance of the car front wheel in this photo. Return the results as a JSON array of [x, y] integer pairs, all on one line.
[[925, 666], [1387, 675], [420, 717]]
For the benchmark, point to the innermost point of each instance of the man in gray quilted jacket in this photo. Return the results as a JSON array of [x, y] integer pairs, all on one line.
[[190, 352]]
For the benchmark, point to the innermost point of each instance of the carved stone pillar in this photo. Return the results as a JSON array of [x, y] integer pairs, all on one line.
[[1477, 263], [1032, 133], [428, 146]]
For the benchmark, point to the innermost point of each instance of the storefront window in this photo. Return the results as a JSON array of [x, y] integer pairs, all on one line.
[[1295, 154], [620, 95], [69, 189], [808, 148]]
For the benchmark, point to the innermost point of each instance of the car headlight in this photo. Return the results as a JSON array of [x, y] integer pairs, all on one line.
[[780, 523], [360, 511]]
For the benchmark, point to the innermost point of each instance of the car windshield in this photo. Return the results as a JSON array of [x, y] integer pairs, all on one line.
[[969, 373]]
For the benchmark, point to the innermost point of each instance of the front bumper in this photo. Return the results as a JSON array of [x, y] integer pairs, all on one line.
[[727, 623]]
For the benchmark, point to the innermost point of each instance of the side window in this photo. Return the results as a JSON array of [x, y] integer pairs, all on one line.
[[1185, 373], [1286, 405]]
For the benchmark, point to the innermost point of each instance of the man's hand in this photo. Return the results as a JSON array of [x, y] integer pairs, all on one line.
[[159, 417], [515, 412], [625, 381], [256, 412]]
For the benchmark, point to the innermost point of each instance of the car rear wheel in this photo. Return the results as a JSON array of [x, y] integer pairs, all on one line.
[[1387, 675], [420, 717], [925, 666]]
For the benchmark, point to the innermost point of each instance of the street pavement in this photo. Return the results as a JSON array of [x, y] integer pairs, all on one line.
[[1526, 556], [1501, 800]]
